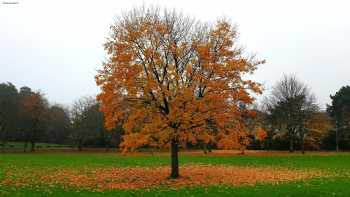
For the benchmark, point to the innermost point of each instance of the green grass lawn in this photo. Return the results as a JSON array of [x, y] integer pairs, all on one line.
[[337, 185]]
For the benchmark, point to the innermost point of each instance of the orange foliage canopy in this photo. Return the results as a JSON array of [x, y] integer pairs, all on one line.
[[33, 105], [318, 126], [260, 133], [169, 77]]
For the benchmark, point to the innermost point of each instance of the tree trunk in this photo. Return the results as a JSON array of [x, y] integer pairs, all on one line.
[[4, 142], [204, 147], [302, 139], [80, 145], [302, 145], [209, 148], [3, 146], [25, 146], [291, 144], [336, 139], [174, 159], [242, 151], [32, 149], [33, 136], [4, 136], [107, 147]]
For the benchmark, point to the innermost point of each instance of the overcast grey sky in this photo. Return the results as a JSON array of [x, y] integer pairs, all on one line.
[[56, 46]]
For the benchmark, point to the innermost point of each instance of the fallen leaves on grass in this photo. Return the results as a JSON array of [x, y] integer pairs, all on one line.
[[99, 179]]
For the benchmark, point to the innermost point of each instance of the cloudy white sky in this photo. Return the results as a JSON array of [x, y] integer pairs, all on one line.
[[56, 46]]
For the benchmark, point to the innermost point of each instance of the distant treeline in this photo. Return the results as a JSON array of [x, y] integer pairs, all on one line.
[[289, 117], [26, 116]]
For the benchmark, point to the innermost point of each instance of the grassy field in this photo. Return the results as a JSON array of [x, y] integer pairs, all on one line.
[[335, 184]]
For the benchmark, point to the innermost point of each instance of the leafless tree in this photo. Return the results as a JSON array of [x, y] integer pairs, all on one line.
[[78, 113], [290, 104]]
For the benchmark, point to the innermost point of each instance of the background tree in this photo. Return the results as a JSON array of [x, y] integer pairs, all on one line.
[[58, 125], [289, 106], [8, 111], [88, 126], [26, 117], [175, 75], [255, 124], [94, 121], [23, 118], [339, 110], [81, 127], [34, 108], [319, 126]]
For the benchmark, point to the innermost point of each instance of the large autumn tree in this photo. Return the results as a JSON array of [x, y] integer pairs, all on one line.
[[171, 80]]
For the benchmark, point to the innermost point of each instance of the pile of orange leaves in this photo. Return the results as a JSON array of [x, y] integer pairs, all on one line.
[[100, 179]]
